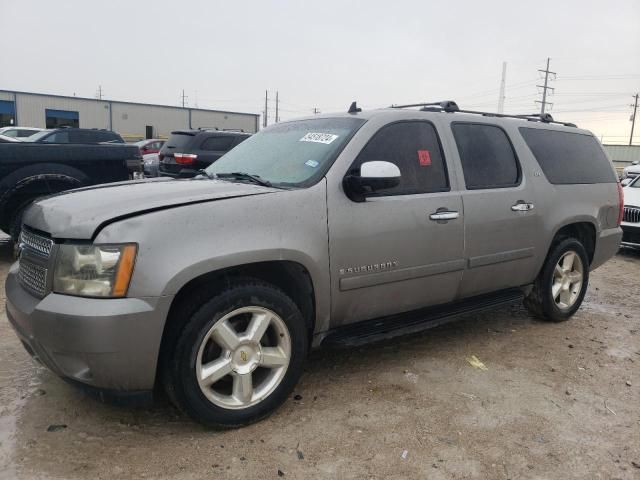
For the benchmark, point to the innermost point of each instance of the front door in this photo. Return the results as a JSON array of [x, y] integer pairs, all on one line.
[[391, 253]]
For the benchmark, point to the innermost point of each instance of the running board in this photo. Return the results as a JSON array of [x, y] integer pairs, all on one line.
[[369, 331]]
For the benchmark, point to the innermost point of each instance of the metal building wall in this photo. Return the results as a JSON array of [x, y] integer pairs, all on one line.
[[223, 120], [128, 119]]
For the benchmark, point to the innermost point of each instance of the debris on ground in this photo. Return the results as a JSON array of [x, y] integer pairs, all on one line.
[[56, 428], [404, 454], [280, 473], [475, 362]]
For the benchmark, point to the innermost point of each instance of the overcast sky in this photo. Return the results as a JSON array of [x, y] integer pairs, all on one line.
[[326, 54]]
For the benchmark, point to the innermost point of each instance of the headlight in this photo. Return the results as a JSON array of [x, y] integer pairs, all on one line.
[[94, 270]]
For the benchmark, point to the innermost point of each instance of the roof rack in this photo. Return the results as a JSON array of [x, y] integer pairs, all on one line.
[[449, 106]]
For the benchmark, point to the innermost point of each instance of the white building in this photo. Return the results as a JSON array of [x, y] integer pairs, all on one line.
[[133, 121]]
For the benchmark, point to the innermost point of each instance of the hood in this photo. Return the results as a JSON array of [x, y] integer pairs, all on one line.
[[80, 213], [632, 195]]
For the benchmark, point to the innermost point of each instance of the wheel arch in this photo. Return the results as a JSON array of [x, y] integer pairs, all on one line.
[[33, 181], [293, 278], [583, 230]]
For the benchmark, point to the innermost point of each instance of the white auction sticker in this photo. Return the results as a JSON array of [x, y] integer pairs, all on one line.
[[325, 138]]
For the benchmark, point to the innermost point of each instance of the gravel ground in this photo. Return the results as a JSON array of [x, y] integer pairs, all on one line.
[[556, 401]]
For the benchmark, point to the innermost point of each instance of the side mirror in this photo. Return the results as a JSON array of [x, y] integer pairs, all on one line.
[[635, 162], [625, 181], [374, 176]]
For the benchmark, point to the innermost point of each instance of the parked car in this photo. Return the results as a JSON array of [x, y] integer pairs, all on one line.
[[332, 230], [188, 151], [149, 146], [19, 132], [631, 219], [75, 135], [632, 171], [150, 164], [33, 170]]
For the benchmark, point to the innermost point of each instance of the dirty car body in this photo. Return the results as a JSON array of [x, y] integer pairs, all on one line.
[[358, 264]]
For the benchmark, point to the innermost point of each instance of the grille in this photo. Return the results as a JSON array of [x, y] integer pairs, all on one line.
[[34, 277], [631, 214], [36, 243]]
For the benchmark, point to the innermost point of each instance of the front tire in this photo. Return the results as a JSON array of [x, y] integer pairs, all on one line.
[[239, 355], [562, 283]]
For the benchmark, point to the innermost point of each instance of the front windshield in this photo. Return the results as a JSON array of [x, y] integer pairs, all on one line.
[[291, 154]]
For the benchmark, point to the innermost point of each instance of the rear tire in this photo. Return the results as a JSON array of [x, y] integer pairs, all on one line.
[[560, 287], [238, 357]]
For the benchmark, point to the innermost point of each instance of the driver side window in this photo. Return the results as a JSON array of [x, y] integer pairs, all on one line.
[[415, 148]]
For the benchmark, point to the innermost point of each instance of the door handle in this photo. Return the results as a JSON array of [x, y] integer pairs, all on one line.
[[444, 215], [522, 207]]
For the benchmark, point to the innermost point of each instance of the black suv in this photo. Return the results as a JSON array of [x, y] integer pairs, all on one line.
[[76, 135], [188, 151]]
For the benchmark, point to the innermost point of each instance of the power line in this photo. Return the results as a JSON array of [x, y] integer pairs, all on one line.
[[545, 87]]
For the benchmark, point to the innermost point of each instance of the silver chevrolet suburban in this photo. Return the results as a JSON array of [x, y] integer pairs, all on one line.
[[332, 230]]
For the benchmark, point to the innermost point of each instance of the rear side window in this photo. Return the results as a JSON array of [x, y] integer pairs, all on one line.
[[218, 144], [414, 147], [487, 156], [178, 141], [567, 157]]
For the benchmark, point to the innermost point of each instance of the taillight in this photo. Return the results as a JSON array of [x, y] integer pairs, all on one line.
[[621, 204], [185, 158]]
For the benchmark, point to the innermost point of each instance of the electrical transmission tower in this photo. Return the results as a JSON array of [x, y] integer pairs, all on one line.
[[99, 92], [502, 88], [633, 118], [543, 103], [184, 99]]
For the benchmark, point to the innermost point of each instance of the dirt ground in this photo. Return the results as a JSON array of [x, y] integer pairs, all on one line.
[[556, 401]]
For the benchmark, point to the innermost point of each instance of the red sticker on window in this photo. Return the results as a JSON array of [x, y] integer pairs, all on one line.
[[424, 157]]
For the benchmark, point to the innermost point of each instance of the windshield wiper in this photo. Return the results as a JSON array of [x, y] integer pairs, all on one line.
[[202, 171], [245, 176]]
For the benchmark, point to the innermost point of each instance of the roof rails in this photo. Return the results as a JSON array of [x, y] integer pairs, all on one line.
[[449, 106]]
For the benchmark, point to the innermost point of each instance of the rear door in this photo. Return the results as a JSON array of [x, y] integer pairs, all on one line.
[[390, 254], [501, 220]]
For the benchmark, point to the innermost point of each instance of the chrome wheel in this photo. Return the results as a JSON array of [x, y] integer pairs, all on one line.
[[568, 276], [243, 357]]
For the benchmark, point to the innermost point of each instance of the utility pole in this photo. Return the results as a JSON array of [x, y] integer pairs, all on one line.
[[277, 118], [633, 118], [266, 108], [184, 98], [98, 93], [545, 87], [316, 111], [502, 87]]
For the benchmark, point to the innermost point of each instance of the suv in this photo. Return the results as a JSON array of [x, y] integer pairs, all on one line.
[[332, 230], [75, 135], [188, 151]]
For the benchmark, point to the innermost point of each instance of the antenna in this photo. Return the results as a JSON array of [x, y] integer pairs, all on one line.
[[354, 108]]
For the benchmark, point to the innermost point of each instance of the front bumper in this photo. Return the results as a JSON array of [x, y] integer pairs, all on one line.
[[110, 344], [630, 235]]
